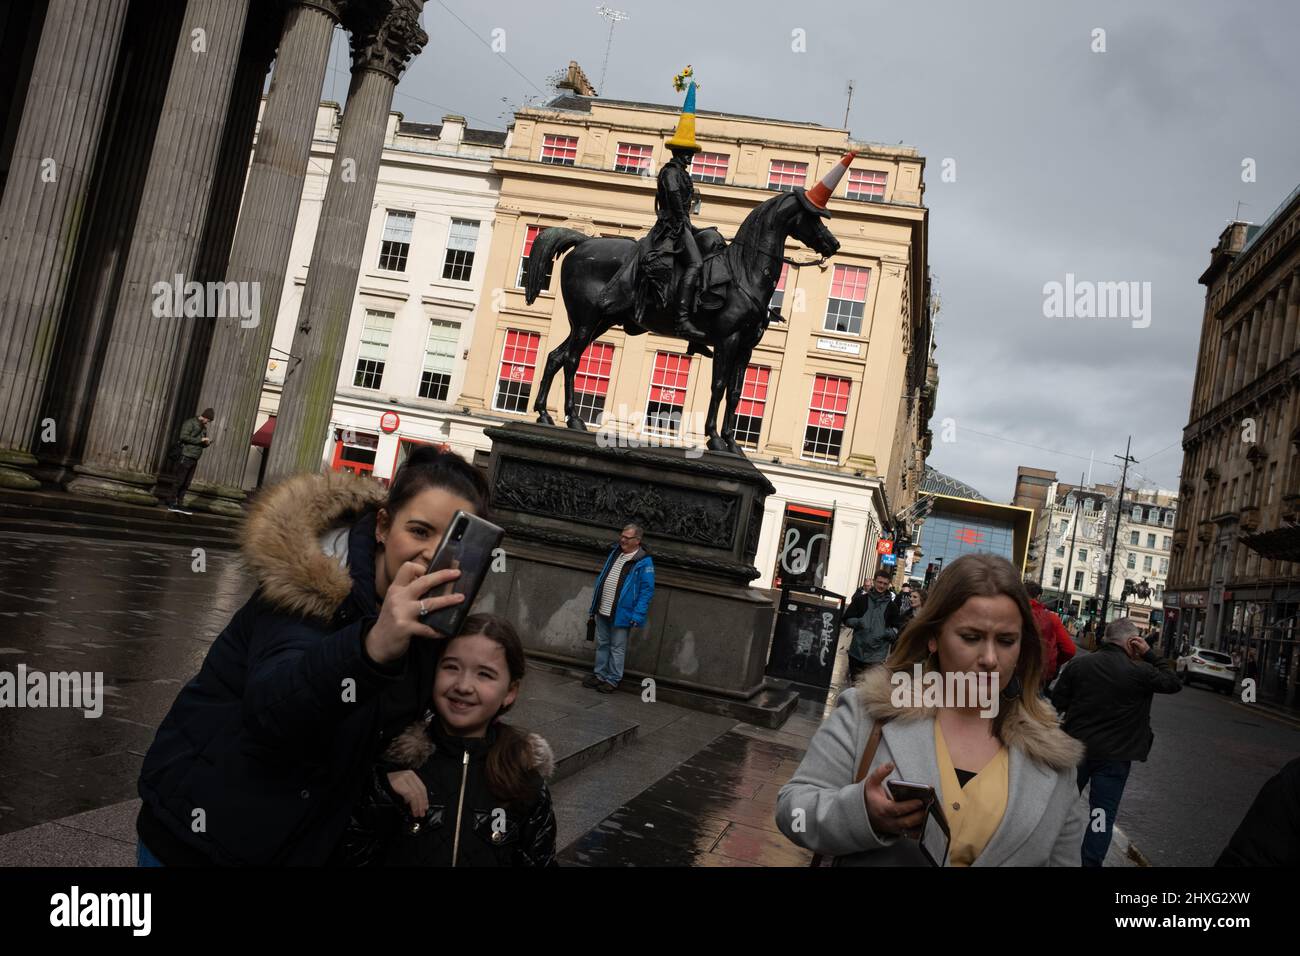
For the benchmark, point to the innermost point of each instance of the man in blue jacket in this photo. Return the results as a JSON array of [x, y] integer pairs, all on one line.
[[622, 597]]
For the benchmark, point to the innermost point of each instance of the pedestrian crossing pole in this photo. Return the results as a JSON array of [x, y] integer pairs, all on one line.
[[1114, 540]]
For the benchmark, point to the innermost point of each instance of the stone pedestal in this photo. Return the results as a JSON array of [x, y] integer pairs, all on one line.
[[563, 498]]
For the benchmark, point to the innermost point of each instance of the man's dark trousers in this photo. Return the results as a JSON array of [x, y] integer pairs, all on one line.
[[1107, 778], [184, 472]]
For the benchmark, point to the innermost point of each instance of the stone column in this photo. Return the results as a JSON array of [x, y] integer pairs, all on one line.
[[1250, 341], [1292, 314], [1277, 319], [261, 33], [1224, 388], [383, 42], [126, 433], [41, 211], [236, 365]]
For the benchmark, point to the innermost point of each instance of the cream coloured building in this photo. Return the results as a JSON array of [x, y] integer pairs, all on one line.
[[836, 401], [422, 277]]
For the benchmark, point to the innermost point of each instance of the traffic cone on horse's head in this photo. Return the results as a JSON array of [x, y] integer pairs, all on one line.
[[816, 198], [684, 138]]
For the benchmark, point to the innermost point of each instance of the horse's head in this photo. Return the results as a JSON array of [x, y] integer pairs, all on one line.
[[804, 222]]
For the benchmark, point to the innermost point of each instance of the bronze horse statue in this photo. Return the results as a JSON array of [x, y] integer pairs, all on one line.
[[754, 258]]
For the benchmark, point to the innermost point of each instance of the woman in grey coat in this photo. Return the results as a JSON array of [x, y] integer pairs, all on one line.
[[1001, 767]]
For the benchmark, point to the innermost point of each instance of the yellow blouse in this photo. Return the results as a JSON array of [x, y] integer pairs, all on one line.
[[974, 811]]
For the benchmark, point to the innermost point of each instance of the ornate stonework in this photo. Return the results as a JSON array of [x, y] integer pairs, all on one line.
[[385, 36], [694, 517]]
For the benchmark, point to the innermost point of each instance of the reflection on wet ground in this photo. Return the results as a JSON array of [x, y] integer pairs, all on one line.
[[716, 809], [140, 614]]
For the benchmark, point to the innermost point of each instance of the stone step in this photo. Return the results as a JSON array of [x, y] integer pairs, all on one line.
[[578, 728], [62, 514]]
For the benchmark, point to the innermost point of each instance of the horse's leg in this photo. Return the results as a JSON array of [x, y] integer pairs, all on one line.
[[571, 416], [585, 330], [553, 363], [735, 389], [723, 360]]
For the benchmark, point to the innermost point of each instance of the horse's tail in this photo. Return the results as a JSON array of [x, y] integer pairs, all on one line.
[[548, 244]]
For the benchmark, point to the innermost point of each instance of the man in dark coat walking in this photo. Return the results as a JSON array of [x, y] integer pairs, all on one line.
[[189, 448], [1106, 700]]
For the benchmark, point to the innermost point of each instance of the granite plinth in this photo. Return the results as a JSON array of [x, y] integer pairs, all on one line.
[[563, 495]]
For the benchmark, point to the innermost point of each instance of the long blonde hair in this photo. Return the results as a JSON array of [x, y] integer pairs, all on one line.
[[977, 575]]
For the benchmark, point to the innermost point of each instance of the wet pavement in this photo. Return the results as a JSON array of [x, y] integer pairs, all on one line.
[[716, 809], [139, 614], [660, 785]]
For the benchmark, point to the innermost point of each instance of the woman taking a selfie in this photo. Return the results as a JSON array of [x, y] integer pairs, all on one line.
[[1000, 770], [265, 751]]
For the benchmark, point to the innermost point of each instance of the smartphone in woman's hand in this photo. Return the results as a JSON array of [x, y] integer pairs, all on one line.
[[468, 545]]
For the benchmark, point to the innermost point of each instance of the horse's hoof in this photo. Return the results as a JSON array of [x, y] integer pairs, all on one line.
[[544, 418], [717, 444], [576, 423]]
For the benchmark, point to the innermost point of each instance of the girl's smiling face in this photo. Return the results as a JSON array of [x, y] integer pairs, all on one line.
[[472, 684]]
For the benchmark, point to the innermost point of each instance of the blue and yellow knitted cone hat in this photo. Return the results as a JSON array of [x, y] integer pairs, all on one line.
[[684, 138]]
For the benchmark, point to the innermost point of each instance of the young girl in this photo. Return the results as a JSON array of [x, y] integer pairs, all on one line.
[[461, 788]]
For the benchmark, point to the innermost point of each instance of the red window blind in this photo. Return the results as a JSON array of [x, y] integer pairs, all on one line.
[[753, 394], [850, 282], [867, 184], [632, 158], [710, 167], [830, 401], [519, 357], [668, 384], [561, 150], [593, 369], [785, 175]]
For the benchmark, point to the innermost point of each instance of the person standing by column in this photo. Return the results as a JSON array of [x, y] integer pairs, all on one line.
[[1106, 700], [619, 603], [189, 449]]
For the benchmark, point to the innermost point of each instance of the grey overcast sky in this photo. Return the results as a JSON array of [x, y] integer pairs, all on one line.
[[1115, 166]]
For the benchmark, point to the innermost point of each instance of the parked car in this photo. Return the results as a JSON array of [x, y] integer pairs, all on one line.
[[1209, 667]]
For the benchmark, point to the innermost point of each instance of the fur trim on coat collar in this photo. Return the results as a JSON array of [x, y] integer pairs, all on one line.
[[1043, 743], [281, 539], [413, 746]]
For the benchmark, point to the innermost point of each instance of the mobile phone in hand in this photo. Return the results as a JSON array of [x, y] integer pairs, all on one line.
[[467, 545], [900, 791]]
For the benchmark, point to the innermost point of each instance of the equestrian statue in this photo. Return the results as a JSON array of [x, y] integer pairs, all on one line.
[[680, 281]]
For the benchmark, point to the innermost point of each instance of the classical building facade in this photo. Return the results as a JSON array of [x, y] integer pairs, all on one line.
[[411, 321], [1236, 549], [125, 152], [836, 402], [1084, 518]]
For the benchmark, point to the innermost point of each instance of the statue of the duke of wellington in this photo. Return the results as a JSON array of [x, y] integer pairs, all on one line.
[[680, 281]]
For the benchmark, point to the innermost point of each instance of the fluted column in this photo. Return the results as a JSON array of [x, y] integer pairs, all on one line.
[[236, 364], [1276, 321], [41, 211], [1265, 333], [382, 45], [1292, 315], [1250, 339], [126, 434], [1229, 367]]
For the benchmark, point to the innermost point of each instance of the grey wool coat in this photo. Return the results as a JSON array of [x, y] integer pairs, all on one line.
[[1043, 824]]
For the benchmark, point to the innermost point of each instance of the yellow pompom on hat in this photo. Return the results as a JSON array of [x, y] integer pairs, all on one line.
[[684, 138]]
